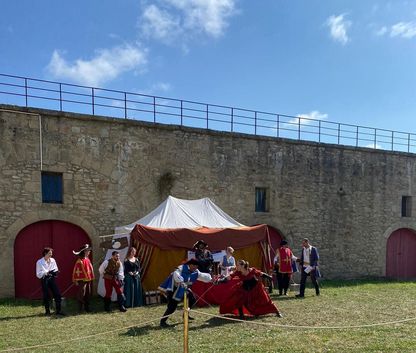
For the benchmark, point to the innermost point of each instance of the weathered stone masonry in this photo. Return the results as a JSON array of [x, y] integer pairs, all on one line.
[[346, 200]]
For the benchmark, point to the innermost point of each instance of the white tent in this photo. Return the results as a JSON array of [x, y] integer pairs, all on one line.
[[174, 213], [178, 213]]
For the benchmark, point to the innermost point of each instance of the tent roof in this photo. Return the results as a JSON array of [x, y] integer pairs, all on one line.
[[178, 213], [184, 238]]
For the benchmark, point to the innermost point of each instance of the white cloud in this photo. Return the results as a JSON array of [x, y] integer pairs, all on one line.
[[107, 65], [382, 31], [172, 19], [160, 24], [308, 118], [338, 27], [403, 29], [371, 145]]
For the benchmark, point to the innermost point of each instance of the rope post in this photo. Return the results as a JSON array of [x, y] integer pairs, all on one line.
[[185, 322]]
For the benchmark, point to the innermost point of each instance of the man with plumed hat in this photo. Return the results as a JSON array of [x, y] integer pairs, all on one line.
[[286, 264], [204, 256], [178, 282], [82, 276]]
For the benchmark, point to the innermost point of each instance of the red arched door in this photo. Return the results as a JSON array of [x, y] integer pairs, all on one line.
[[63, 237], [401, 254]]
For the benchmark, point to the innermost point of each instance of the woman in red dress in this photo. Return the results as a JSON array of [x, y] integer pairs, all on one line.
[[248, 296]]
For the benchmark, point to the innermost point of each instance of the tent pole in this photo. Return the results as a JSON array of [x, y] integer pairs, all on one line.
[[185, 322]]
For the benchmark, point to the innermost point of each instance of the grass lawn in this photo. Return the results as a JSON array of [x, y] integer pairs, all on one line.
[[341, 304]]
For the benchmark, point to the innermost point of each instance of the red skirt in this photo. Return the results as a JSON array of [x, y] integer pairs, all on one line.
[[255, 301]]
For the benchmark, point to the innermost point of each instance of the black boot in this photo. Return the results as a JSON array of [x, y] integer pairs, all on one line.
[[58, 310], [107, 304], [121, 299], [87, 307], [47, 308]]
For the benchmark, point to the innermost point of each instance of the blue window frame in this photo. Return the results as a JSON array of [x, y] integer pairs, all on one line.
[[52, 187], [261, 200]]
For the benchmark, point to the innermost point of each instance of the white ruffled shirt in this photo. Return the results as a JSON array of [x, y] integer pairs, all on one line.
[[43, 267]]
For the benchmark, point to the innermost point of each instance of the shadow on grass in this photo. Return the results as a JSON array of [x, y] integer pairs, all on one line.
[[358, 282], [8, 318], [144, 330]]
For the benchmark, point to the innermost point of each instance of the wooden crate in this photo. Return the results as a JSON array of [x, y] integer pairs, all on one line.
[[152, 297]]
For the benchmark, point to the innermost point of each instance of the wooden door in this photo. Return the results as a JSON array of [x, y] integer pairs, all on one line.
[[63, 237], [401, 254]]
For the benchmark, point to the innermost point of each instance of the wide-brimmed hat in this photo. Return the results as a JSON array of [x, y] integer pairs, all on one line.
[[199, 242], [192, 261], [283, 242], [83, 248]]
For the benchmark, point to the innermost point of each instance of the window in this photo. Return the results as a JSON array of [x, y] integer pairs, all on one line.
[[406, 206], [51, 187], [261, 200]]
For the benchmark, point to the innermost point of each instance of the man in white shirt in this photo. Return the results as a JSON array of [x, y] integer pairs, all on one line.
[[46, 271], [113, 274], [177, 283], [309, 267]]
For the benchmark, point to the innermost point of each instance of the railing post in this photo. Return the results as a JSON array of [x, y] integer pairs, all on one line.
[[375, 138], [299, 118], [356, 138], [255, 123], [232, 119], [181, 112], [408, 143], [60, 96], [125, 105], [339, 131], [207, 116], [26, 91], [319, 131], [392, 140], [154, 109], [93, 101], [278, 125]]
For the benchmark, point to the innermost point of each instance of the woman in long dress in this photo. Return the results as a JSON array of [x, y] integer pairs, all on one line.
[[228, 262], [132, 280], [248, 296]]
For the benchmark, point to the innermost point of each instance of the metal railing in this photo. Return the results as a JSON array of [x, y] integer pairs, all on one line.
[[29, 92]]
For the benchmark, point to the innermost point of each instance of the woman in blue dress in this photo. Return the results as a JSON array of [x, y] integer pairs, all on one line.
[[132, 280], [227, 264]]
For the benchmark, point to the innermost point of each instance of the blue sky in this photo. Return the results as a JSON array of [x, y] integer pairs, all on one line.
[[345, 61]]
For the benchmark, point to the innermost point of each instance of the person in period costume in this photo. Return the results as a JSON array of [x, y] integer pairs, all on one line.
[[46, 271], [113, 274], [204, 257], [82, 276], [248, 296], [132, 281], [286, 265], [177, 283], [309, 267], [227, 264]]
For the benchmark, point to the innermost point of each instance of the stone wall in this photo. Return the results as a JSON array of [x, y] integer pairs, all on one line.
[[346, 200]]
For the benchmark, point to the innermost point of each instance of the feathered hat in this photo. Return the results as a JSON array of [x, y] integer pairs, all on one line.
[[83, 248]]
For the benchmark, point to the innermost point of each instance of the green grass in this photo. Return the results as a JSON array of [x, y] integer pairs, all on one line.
[[344, 304]]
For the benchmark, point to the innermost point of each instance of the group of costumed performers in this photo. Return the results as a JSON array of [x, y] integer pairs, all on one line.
[[247, 295], [113, 273], [46, 271], [82, 276]]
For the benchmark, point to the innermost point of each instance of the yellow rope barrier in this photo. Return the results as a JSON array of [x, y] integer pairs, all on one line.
[[83, 337], [307, 327]]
